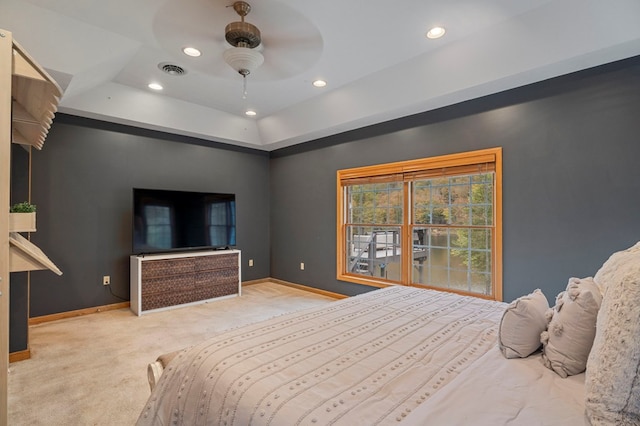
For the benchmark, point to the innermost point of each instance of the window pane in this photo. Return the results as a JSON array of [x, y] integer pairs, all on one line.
[[379, 203], [482, 199], [481, 215], [374, 251], [452, 258], [459, 215], [453, 254], [454, 200]]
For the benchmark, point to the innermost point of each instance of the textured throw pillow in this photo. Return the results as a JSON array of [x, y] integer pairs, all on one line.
[[612, 381], [572, 327], [609, 268], [521, 325]]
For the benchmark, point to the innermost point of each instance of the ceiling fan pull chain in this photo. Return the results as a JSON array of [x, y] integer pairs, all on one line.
[[244, 87]]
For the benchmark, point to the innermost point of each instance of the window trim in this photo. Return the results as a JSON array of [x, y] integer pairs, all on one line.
[[378, 172]]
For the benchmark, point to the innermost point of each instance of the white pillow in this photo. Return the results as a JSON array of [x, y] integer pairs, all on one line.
[[612, 381], [521, 325], [616, 260], [572, 327]]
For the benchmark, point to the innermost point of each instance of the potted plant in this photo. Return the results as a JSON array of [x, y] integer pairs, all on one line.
[[22, 217]]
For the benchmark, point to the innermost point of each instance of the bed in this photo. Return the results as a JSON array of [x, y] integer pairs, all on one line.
[[393, 355]]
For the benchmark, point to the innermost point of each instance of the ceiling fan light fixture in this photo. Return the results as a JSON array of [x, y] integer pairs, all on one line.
[[243, 59]]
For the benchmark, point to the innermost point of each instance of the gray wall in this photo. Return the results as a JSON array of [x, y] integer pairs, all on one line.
[[571, 184], [82, 185], [571, 148], [19, 288]]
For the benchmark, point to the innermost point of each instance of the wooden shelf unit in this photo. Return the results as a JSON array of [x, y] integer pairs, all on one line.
[[28, 101], [165, 281]]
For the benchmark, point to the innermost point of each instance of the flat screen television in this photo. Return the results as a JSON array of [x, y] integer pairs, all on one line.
[[165, 220]]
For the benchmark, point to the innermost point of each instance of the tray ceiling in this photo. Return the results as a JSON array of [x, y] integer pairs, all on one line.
[[374, 56]]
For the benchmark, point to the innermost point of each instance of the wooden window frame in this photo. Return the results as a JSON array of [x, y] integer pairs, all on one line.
[[420, 167]]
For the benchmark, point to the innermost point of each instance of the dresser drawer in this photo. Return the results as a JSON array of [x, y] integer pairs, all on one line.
[[160, 268], [221, 261]]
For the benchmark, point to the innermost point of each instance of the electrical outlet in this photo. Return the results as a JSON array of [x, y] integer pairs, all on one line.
[[250, 262], [302, 266], [106, 280]]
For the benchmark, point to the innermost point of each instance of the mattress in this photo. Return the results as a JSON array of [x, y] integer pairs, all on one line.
[[398, 354]]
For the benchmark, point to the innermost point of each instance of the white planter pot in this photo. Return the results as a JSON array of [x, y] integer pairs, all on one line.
[[22, 222]]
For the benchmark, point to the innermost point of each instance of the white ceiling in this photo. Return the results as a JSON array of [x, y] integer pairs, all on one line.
[[373, 54]]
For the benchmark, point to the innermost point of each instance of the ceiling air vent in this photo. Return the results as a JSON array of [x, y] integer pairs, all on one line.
[[172, 69]]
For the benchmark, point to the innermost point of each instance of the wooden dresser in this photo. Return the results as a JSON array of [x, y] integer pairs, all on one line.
[[164, 281]]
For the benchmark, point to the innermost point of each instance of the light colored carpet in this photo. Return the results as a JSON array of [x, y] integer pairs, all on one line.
[[91, 370]]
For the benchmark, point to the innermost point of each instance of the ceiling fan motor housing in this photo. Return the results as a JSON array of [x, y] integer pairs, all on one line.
[[242, 34]]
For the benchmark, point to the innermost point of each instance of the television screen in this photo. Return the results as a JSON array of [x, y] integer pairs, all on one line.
[[166, 220]]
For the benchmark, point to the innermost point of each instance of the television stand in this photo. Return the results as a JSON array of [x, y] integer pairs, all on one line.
[[165, 281]]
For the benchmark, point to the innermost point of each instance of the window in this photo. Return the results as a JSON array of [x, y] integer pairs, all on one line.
[[434, 222], [221, 223], [373, 229], [159, 225]]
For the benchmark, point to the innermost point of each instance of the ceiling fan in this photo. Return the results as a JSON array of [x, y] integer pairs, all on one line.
[[286, 43], [244, 39]]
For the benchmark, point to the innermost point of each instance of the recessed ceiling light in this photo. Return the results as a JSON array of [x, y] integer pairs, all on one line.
[[250, 113], [435, 32], [155, 86], [319, 83], [191, 51]]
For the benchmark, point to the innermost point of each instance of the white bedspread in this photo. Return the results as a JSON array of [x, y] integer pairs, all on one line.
[[378, 358], [499, 391]]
